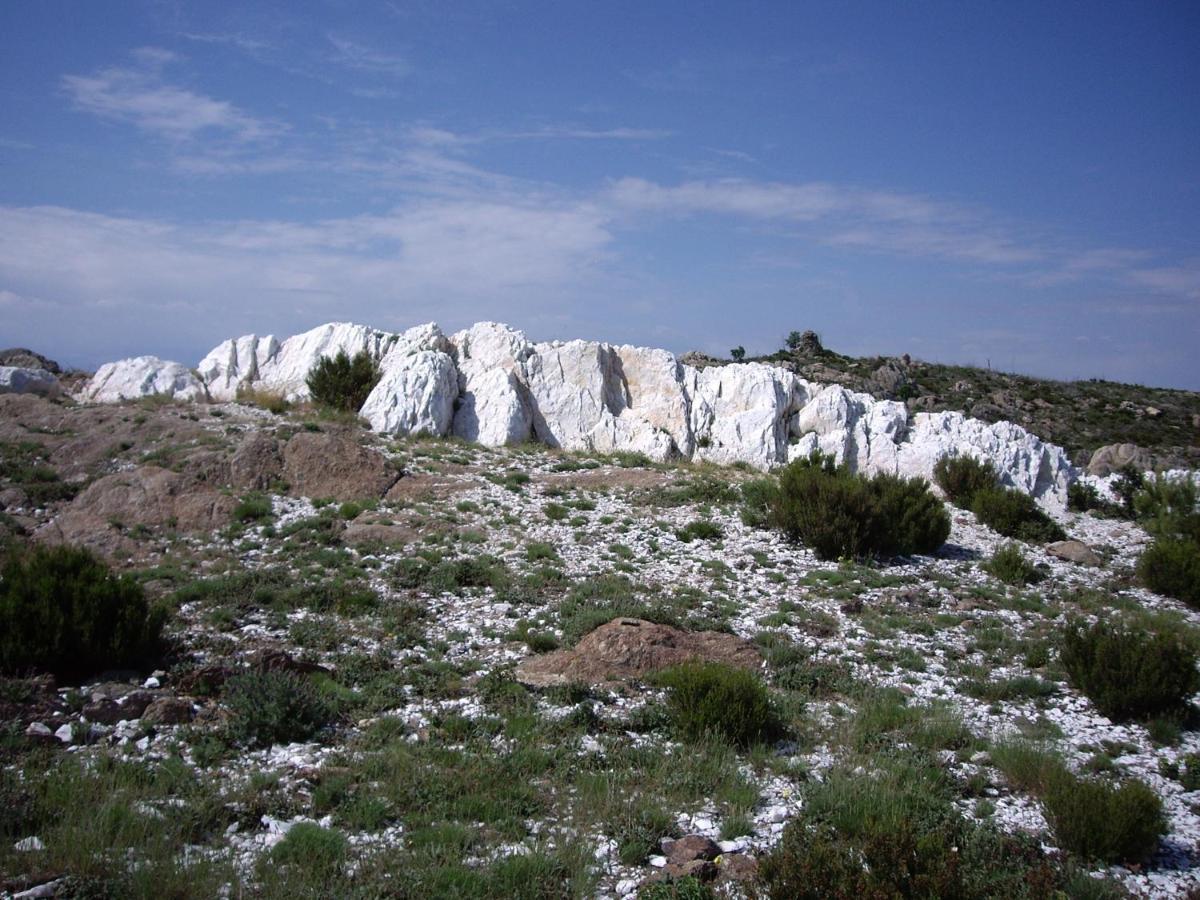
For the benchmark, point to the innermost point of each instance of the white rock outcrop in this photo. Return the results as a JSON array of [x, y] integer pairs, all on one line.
[[490, 384], [142, 376], [22, 380]]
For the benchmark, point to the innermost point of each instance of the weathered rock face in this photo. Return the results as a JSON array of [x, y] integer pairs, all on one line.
[[256, 463], [235, 362], [21, 380], [148, 496], [1114, 457], [416, 393], [631, 648], [490, 384], [142, 376], [320, 465]]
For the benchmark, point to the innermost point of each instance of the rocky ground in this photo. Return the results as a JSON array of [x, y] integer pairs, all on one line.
[[430, 588]]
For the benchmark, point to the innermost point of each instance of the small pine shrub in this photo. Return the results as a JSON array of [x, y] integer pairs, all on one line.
[[1009, 564], [962, 477], [758, 497], [63, 611], [267, 708], [1125, 486], [1171, 567], [1015, 515], [722, 701], [1097, 820], [253, 508], [1130, 672], [699, 530], [1083, 497], [839, 514], [1167, 508], [342, 382]]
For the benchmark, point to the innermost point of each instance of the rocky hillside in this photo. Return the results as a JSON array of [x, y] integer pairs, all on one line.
[[1081, 416], [414, 666]]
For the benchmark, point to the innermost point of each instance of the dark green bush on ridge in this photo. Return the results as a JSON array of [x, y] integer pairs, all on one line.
[[1130, 672], [1015, 515], [342, 382], [962, 477], [839, 514], [63, 611]]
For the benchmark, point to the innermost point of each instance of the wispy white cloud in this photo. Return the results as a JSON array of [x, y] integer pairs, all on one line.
[[142, 97], [237, 40], [363, 58]]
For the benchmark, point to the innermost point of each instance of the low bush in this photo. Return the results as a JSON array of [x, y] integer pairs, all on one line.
[[268, 708], [310, 847], [1130, 672], [839, 514], [1171, 567], [1098, 820], [758, 497], [895, 832], [714, 699], [63, 611], [1009, 564], [343, 382], [1167, 508], [962, 477], [1015, 515], [698, 529]]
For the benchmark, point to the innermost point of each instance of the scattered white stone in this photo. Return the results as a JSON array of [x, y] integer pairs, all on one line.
[[29, 845], [65, 733]]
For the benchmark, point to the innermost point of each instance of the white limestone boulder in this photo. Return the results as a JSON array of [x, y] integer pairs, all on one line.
[[416, 393], [854, 428], [22, 380], [493, 405], [234, 363], [651, 401], [1023, 460], [285, 371], [570, 391], [142, 376], [740, 413]]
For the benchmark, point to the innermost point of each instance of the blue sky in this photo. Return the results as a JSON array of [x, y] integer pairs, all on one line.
[[965, 182]]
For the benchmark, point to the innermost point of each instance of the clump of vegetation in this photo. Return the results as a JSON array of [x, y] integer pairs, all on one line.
[[1113, 823], [62, 610], [962, 477], [311, 848], [1129, 671], [713, 699], [342, 382], [1171, 566], [895, 832], [272, 401], [254, 507], [1009, 564], [1016, 515], [23, 463], [1167, 508], [699, 530], [839, 514], [268, 708]]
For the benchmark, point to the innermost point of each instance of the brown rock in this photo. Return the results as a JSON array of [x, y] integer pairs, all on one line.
[[149, 496], [257, 463], [629, 648], [168, 711], [737, 867], [318, 464], [1113, 457], [1074, 551], [272, 659], [690, 847], [105, 712]]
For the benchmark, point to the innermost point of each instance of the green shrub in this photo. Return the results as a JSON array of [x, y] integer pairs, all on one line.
[[1167, 508], [1130, 672], [252, 508], [1171, 567], [1015, 515], [894, 832], [268, 708], [962, 477], [1083, 497], [342, 382], [1009, 564], [715, 699], [1126, 485], [1101, 821], [308, 846], [758, 497], [683, 888], [63, 611], [698, 529], [839, 514]]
